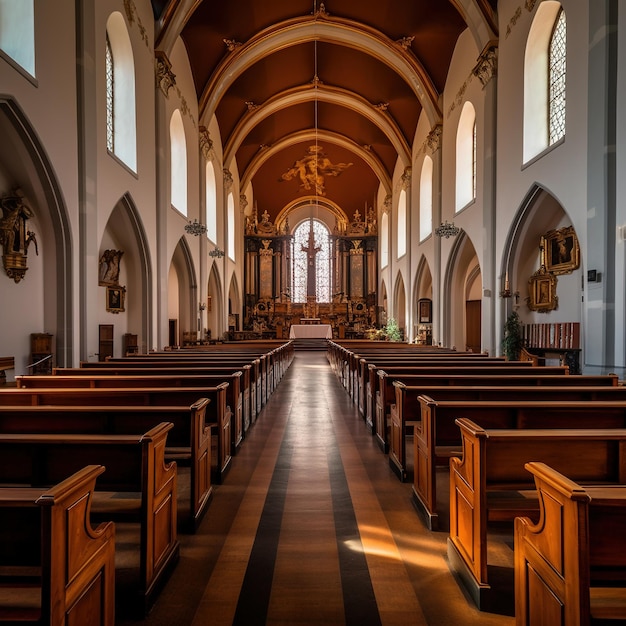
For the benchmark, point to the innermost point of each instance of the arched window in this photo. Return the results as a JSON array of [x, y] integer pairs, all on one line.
[[384, 240], [178, 163], [426, 198], [557, 79], [211, 202], [544, 79], [466, 157], [17, 32], [231, 226], [120, 92], [401, 230], [317, 259]]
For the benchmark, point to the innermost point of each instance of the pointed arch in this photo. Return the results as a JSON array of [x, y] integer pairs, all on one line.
[[399, 305], [215, 303], [38, 180], [182, 292]]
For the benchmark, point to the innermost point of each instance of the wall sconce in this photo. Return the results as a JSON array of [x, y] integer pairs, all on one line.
[[216, 253], [447, 229], [202, 306], [195, 228]]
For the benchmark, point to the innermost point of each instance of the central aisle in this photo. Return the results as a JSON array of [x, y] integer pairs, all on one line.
[[311, 526]]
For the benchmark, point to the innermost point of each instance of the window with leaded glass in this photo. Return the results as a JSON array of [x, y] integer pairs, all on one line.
[[110, 84], [319, 256], [556, 77]]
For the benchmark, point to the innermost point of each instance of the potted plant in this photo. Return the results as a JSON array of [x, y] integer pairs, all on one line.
[[512, 342]]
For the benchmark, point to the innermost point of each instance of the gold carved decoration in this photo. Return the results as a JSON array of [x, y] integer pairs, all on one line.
[[15, 237], [312, 168]]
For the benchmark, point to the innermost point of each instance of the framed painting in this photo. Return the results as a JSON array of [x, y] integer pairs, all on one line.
[[115, 299], [542, 291], [562, 251], [425, 311]]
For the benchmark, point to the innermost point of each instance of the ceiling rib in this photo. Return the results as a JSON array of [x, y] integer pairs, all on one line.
[[331, 30], [310, 135], [327, 94]]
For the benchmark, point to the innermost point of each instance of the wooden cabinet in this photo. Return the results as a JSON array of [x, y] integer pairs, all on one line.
[[41, 353], [105, 341]]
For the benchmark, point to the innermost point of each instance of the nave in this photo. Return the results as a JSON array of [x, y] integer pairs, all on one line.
[[311, 526]]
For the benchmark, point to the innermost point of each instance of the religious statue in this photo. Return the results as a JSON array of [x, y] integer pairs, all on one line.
[[312, 168], [15, 237], [109, 271]]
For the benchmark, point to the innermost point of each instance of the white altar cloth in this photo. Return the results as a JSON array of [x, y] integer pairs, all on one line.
[[318, 331]]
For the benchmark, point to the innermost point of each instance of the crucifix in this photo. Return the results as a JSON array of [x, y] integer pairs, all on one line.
[[311, 251]]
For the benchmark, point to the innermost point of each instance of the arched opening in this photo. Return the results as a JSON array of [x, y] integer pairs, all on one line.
[[311, 262], [182, 297], [426, 198], [178, 163], [466, 157]]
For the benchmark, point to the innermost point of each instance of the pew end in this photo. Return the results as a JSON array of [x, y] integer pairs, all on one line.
[[570, 567], [55, 567]]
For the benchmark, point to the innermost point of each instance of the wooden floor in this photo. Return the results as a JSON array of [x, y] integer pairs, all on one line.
[[311, 526]]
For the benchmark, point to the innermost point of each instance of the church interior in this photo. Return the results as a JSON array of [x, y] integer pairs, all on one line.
[[280, 188]]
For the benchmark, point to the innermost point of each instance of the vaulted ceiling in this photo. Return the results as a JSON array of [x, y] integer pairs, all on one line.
[[350, 77]]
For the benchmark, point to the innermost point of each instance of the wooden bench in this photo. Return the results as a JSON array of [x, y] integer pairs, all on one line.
[[183, 376], [570, 568], [438, 436], [6, 363], [234, 398], [138, 487], [188, 441], [405, 412], [55, 568], [258, 378], [380, 392], [217, 411], [365, 383], [490, 484]]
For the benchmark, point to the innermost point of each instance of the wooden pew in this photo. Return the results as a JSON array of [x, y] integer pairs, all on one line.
[[217, 412], [405, 412], [6, 363], [258, 382], [233, 393], [438, 436], [49, 550], [490, 484], [180, 376], [381, 393], [135, 466], [366, 370], [188, 441], [567, 566]]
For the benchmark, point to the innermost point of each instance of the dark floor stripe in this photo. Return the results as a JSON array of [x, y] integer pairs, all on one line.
[[256, 589], [358, 594]]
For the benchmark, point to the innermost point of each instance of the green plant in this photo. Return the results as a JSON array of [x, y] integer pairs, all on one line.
[[512, 341], [392, 330]]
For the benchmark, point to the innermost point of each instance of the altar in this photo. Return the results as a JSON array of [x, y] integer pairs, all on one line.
[[310, 331]]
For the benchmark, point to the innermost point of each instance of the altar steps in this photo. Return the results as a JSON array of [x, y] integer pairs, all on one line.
[[309, 343]]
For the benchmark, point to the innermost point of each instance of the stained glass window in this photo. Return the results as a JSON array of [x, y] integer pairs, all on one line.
[[300, 256], [557, 79], [110, 83]]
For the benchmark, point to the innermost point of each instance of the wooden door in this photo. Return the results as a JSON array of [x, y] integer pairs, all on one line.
[[173, 333], [105, 341], [472, 325]]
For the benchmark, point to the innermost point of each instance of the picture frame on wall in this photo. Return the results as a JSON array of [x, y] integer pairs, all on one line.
[[542, 291], [115, 298], [562, 250], [425, 311]]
